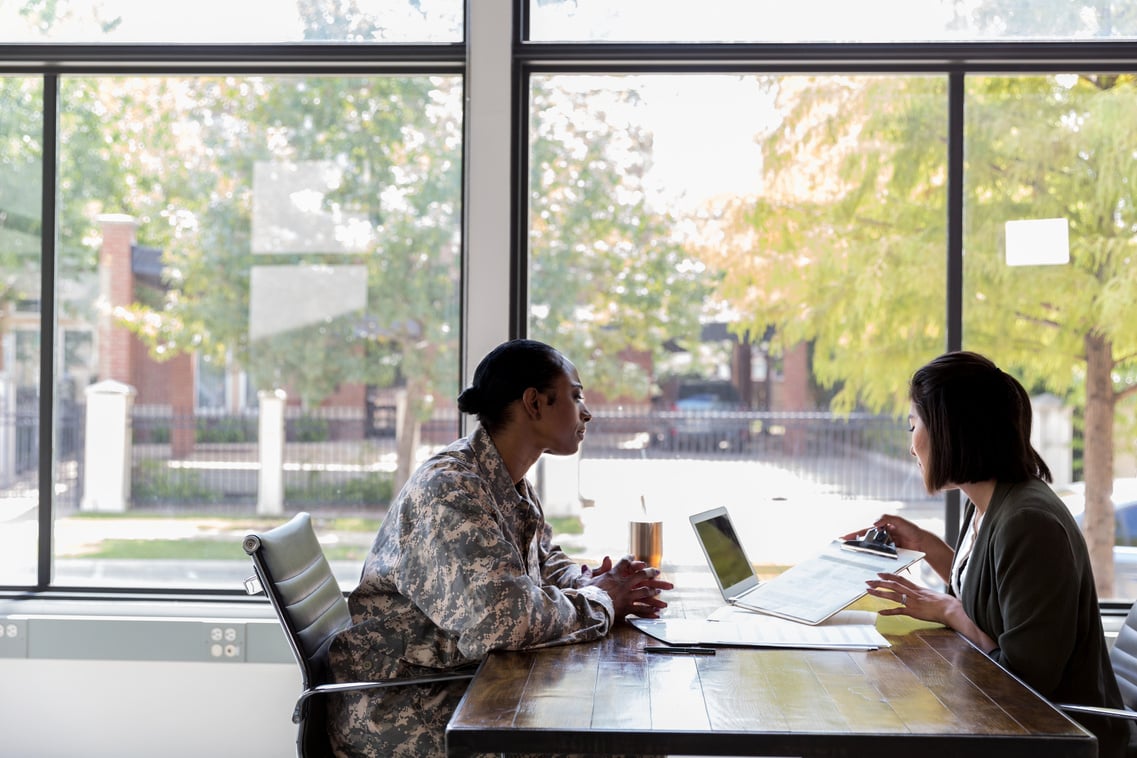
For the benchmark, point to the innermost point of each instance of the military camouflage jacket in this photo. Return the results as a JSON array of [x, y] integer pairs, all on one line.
[[463, 564]]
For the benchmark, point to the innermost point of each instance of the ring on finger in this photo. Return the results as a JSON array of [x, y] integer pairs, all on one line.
[[904, 598]]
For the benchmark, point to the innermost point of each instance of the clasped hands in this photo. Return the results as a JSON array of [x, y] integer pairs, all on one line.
[[633, 586]]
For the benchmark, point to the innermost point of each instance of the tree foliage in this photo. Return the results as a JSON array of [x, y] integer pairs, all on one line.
[[846, 248], [609, 277], [21, 156]]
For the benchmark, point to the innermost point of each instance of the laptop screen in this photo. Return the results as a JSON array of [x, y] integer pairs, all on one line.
[[724, 551]]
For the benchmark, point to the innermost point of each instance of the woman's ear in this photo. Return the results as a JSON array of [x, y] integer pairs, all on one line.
[[531, 402]]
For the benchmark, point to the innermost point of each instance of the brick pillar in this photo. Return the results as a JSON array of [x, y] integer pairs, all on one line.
[[797, 394], [116, 290]]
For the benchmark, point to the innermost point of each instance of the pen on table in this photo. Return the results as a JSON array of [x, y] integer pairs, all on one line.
[[676, 650]]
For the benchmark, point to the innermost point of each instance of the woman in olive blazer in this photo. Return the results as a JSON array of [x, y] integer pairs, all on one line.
[[1019, 582]]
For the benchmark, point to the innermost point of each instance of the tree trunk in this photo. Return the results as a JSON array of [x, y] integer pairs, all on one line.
[[1098, 523]]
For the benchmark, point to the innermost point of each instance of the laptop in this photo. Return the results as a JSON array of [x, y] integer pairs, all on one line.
[[730, 566], [809, 592], [787, 615]]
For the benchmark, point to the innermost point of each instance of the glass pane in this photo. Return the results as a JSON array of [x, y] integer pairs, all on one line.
[[827, 20], [1049, 291], [263, 21], [746, 270], [261, 275], [21, 225]]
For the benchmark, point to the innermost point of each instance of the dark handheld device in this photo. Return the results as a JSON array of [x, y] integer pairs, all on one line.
[[875, 541]]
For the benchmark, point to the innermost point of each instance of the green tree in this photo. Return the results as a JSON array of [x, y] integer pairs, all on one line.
[[21, 156], [395, 143], [399, 139], [609, 278], [178, 155], [850, 263], [1048, 19]]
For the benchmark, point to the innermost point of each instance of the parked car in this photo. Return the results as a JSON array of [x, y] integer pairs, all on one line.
[[1125, 529], [707, 415]]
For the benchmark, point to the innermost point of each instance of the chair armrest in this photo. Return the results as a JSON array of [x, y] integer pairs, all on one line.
[[324, 689], [1095, 710]]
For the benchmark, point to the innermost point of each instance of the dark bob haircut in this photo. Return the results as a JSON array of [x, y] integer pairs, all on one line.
[[504, 375], [978, 420]]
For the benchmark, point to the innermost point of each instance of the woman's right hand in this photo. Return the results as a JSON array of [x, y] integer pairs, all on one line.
[[907, 536], [903, 532]]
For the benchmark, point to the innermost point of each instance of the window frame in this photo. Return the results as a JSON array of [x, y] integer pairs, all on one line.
[[953, 59], [51, 62], [507, 201]]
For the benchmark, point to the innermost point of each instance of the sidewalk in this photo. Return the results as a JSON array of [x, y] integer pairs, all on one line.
[[781, 518]]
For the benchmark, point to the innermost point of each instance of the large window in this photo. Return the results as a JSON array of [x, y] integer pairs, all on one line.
[[254, 307], [21, 237], [750, 265], [1051, 239], [740, 265], [246, 290], [300, 232]]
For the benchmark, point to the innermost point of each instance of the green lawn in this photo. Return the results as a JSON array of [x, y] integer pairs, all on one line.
[[220, 538]]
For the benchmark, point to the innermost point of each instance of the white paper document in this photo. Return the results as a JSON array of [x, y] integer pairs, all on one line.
[[729, 626], [814, 590]]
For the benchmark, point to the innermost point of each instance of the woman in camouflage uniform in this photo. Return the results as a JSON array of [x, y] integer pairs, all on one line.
[[464, 564]]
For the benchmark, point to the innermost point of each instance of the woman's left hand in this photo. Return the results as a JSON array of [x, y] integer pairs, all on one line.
[[914, 600], [928, 605]]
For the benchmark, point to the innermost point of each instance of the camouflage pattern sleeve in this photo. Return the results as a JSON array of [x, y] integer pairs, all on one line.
[[463, 564], [477, 571]]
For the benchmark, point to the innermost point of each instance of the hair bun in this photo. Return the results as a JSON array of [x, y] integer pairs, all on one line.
[[470, 400]]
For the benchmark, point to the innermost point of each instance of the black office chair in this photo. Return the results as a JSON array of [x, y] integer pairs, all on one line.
[[292, 570], [1123, 657]]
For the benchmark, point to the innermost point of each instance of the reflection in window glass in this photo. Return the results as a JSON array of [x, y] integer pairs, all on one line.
[[264, 262], [221, 21], [1057, 308], [835, 21], [746, 270], [21, 224]]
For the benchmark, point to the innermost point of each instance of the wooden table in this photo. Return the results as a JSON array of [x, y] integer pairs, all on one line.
[[930, 694]]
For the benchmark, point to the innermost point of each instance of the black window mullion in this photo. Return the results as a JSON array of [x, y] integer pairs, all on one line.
[[48, 238], [954, 283]]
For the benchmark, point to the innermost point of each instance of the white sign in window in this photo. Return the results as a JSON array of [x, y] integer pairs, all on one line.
[[1038, 242]]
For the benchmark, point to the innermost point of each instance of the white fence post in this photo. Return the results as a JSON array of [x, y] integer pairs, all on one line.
[[108, 447], [270, 478], [1052, 435]]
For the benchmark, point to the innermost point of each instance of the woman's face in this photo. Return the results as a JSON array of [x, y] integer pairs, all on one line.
[[921, 444], [567, 416]]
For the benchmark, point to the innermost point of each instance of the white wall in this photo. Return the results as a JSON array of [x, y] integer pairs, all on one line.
[[144, 709]]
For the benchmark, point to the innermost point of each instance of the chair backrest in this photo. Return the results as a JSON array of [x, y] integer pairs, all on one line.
[[294, 573], [1123, 656]]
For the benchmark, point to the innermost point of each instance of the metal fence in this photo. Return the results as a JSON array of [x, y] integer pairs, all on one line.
[[858, 455], [331, 461], [212, 460], [20, 442]]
